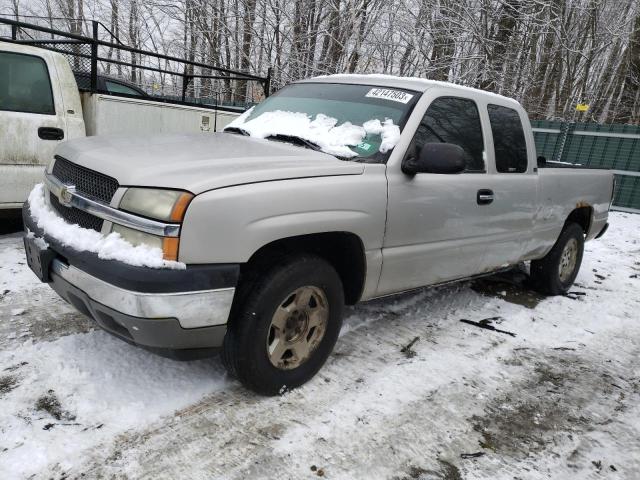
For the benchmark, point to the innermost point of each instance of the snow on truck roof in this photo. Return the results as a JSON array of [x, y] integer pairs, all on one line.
[[409, 83]]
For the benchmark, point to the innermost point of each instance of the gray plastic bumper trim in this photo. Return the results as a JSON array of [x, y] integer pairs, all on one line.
[[192, 309]]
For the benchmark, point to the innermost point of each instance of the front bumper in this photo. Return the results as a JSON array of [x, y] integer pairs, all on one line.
[[603, 231], [148, 330], [154, 308]]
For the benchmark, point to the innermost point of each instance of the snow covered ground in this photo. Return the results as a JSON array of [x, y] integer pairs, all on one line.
[[560, 399]]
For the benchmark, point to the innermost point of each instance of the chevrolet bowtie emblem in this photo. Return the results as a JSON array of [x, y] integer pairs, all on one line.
[[66, 194]]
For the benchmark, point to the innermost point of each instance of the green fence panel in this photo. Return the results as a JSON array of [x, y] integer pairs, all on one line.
[[616, 147], [547, 143], [627, 193]]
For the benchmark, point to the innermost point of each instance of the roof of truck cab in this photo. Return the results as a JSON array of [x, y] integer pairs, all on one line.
[[25, 49], [409, 83]]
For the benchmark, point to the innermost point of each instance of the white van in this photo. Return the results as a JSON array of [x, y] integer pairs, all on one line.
[[41, 106]]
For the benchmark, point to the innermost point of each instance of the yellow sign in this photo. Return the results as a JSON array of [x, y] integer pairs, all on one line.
[[582, 107]]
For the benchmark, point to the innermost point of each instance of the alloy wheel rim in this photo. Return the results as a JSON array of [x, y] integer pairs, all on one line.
[[297, 327], [568, 260]]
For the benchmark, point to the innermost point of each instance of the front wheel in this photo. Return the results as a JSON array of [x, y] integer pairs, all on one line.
[[555, 273], [285, 325]]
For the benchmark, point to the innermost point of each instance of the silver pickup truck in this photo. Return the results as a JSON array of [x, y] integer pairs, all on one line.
[[334, 190]]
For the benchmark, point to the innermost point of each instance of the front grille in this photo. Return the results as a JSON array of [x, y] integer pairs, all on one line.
[[88, 182], [75, 216]]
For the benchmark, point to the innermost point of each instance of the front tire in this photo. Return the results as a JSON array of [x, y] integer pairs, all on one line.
[[555, 273], [284, 325]]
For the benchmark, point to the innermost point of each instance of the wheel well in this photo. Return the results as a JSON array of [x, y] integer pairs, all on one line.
[[581, 216], [343, 250]]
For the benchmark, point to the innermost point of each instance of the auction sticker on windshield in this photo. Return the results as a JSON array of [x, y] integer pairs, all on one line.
[[389, 94]]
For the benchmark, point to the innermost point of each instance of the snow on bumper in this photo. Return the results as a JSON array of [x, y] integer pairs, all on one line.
[[165, 308], [111, 246]]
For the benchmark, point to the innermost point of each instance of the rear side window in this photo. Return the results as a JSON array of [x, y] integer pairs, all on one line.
[[457, 121], [24, 84], [508, 139]]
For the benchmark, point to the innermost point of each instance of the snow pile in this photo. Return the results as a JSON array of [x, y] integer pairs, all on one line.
[[40, 242], [389, 133], [239, 121], [324, 131], [109, 247]]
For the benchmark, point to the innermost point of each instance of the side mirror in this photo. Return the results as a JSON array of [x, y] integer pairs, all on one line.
[[542, 161], [435, 158]]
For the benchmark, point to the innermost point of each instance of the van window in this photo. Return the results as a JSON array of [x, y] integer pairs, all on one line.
[[24, 84], [509, 144], [457, 121], [116, 87]]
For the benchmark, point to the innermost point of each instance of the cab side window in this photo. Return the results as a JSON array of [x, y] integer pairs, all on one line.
[[457, 121], [24, 84], [509, 144]]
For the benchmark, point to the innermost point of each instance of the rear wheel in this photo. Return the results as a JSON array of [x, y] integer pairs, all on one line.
[[285, 324], [555, 273]]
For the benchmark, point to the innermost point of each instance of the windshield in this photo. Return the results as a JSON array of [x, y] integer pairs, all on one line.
[[358, 122]]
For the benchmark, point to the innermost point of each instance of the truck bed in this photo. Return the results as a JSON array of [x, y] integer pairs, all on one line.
[[112, 115], [561, 190]]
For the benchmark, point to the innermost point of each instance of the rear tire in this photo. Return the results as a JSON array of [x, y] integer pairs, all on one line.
[[555, 273], [285, 323]]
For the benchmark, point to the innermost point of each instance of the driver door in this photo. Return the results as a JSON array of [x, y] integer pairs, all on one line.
[[32, 122], [436, 228]]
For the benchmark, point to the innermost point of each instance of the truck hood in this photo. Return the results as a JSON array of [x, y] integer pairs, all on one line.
[[200, 162]]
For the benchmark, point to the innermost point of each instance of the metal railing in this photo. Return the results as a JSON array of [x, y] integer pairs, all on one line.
[[162, 76]]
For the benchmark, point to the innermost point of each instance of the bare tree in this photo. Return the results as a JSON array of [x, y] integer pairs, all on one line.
[[549, 54]]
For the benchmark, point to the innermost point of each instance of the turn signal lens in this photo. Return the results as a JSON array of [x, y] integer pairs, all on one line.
[[180, 207], [170, 248]]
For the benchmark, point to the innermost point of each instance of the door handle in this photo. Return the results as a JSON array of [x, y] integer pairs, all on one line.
[[50, 133], [485, 196]]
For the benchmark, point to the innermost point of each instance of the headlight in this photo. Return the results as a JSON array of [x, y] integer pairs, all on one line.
[[168, 245], [166, 205], [136, 237]]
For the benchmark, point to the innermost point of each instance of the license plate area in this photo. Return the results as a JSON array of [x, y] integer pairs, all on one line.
[[39, 258]]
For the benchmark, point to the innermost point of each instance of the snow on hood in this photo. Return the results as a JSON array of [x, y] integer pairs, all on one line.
[[323, 130], [109, 247]]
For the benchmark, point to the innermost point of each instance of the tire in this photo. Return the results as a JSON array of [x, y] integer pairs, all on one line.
[[274, 342], [555, 273]]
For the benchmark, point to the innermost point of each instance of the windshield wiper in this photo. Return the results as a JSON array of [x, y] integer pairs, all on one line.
[[280, 137], [295, 139], [239, 130]]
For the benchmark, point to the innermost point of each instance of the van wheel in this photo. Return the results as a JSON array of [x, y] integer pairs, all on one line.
[[554, 274], [285, 325]]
